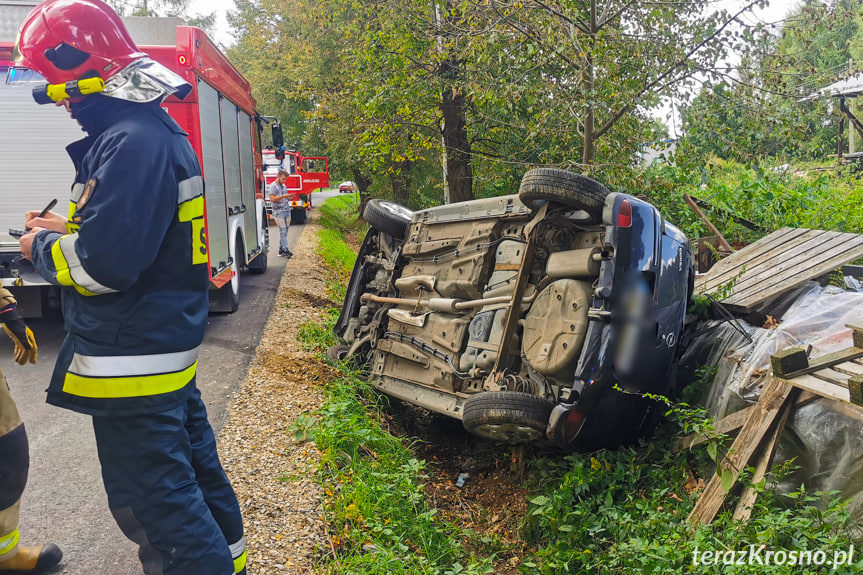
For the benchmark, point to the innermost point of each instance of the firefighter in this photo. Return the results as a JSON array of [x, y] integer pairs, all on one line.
[[131, 260], [15, 456]]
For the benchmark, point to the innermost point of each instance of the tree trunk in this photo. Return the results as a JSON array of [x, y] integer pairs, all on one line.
[[363, 183], [458, 150], [400, 180]]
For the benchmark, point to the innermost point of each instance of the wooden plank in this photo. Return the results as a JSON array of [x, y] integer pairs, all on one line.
[[849, 367], [786, 363], [855, 389], [810, 240], [779, 262], [743, 509], [773, 396], [821, 387], [794, 261], [786, 280], [728, 268], [734, 421], [832, 376], [727, 424], [783, 284]]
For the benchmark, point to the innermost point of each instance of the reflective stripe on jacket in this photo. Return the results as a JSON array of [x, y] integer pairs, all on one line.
[[132, 264]]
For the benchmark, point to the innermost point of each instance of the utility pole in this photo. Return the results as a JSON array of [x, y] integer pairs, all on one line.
[[439, 44]]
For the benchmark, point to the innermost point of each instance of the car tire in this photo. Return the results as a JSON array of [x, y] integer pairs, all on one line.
[[337, 353], [388, 217], [508, 416], [563, 187]]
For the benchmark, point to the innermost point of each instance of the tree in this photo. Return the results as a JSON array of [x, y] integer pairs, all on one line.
[[177, 8], [757, 112], [496, 86]]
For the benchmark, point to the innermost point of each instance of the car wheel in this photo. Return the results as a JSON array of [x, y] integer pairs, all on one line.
[[337, 353], [509, 416], [388, 217], [563, 187]]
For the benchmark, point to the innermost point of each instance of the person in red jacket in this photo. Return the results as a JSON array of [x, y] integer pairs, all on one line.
[[15, 456]]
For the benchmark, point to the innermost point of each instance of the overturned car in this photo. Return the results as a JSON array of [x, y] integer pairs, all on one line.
[[538, 317]]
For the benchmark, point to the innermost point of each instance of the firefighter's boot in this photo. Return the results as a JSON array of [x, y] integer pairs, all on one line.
[[31, 560]]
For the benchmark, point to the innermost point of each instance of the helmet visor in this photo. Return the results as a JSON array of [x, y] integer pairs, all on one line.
[[18, 76]]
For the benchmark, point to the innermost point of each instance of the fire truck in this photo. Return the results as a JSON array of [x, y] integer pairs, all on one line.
[[304, 176], [224, 130]]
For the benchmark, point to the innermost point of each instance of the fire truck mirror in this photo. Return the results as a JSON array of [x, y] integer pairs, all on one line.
[[278, 139]]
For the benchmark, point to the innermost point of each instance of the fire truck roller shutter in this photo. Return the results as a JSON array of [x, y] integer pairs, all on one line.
[[214, 175], [231, 156], [247, 179]]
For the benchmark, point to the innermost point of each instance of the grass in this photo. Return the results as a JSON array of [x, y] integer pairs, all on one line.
[[612, 512], [339, 217]]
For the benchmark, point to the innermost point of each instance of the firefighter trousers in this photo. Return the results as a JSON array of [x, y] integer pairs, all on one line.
[[14, 465], [168, 492]]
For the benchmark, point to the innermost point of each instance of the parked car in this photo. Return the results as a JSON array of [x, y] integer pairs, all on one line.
[[599, 284], [347, 188]]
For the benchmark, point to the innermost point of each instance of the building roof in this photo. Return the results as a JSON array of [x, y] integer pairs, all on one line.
[[849, 87]]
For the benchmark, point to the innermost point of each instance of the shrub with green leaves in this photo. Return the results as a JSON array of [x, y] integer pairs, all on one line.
[[624, 512], [814, 199]]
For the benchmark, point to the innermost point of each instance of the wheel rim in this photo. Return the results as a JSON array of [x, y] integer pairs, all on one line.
[[508, 432], [235, 273]]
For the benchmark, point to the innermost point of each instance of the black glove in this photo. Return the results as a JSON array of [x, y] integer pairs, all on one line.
[[20, 334]]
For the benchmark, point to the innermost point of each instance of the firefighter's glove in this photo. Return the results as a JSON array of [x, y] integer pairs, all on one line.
[[20, 334]]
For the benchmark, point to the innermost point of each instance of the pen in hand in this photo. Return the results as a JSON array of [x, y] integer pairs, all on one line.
[[15, 233], [47, 208]]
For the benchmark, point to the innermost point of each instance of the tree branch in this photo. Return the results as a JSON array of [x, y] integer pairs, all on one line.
[[626, 108]]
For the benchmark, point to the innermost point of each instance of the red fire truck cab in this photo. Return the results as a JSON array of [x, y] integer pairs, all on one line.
[[305, 175]]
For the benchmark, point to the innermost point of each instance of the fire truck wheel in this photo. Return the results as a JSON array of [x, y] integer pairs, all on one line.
[[259, 264], [388, 217], [234, 284]]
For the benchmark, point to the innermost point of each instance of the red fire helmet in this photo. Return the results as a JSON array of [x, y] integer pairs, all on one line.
[[67, 40]]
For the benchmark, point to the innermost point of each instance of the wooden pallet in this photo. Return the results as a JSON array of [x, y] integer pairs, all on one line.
[[795, 380], [778, 263]]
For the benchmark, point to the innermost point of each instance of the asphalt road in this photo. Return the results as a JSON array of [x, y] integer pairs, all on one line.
[[65, 501]]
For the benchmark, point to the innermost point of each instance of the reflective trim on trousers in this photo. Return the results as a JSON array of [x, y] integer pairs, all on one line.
[[8, 542]]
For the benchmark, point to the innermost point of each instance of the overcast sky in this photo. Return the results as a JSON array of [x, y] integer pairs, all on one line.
[[775, 12]]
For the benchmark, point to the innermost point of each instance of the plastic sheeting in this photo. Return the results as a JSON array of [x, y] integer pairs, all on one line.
[[823, 437]]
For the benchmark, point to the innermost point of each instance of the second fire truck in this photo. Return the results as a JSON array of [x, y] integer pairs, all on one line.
[[305, 175]]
